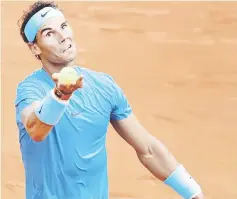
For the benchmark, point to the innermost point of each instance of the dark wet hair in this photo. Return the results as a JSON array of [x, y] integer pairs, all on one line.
[[34, 8]]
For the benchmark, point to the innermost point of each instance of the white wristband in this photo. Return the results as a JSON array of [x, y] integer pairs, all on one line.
[[182, 182]]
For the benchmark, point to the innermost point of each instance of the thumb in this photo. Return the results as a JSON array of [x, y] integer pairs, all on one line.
[[79, 82]]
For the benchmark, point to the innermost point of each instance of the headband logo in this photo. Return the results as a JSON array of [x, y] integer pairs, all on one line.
[[38, 19], [43, 15]]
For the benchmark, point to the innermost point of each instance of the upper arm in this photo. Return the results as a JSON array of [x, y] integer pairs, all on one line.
[[126, 124], [134, 133], [121, 108], [27, 93]]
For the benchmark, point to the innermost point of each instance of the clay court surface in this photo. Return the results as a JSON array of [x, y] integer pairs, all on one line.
[[177, 64]]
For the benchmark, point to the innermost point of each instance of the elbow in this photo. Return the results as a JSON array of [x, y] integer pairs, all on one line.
[[34, 127], [33, 133], [147, 149], [145, 154], [37, 138], [146, 157], [152, 149]]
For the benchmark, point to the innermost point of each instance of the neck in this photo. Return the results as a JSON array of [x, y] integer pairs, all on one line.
[[55, 68]]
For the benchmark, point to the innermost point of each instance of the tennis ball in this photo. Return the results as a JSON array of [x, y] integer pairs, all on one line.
[[68, 76]]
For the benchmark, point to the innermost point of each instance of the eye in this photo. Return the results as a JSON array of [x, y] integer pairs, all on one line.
[[64, 26], [49, 34]]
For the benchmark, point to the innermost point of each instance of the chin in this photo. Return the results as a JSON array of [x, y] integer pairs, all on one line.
[[69, 59], [69, 56]]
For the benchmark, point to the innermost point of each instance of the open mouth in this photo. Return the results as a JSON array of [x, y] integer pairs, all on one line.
[[68, 48]]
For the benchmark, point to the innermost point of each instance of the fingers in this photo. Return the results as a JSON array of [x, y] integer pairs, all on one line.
[[67, 88], [55, 77], [62, 87], [79, 82]]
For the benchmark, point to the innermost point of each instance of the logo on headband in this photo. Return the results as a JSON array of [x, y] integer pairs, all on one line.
[[43, 15]]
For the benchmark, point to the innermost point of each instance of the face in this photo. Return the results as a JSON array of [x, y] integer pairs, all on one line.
[[55, 42]]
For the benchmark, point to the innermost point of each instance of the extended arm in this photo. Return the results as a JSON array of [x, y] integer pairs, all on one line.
[[40, 116], [156, 157]]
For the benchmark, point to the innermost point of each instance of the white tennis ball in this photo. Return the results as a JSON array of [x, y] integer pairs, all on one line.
[[68, 75]]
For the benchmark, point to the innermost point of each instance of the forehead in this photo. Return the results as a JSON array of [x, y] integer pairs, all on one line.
[[53, 22]]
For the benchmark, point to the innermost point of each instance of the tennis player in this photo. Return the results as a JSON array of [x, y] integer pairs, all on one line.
[[62, 128]]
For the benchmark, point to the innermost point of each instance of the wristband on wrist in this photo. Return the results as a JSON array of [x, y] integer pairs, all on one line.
[[51, 109], [61, 95], [181, 181]]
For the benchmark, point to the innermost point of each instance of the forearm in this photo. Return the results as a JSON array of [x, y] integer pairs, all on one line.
[[37, 129], [156, 158], [159, 161], [162, 164], [40, 117]]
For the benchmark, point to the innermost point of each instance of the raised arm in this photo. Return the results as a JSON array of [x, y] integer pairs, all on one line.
[[39, 116]]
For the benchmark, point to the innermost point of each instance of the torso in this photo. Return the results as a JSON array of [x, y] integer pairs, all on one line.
[[73, 156]]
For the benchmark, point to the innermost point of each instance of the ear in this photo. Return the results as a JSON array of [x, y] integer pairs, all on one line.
[[34, 48]]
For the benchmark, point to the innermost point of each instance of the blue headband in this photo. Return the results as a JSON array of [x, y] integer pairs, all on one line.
[[38, 19]]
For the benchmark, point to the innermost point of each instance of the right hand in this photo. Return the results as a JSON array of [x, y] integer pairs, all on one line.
[[67, 88], [199, 196]]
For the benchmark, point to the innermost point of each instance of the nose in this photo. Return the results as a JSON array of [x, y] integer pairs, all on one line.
[[62, 36]]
